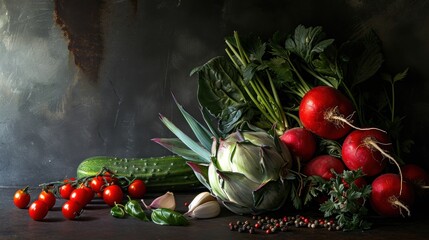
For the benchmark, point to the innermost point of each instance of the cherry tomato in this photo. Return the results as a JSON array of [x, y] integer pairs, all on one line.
[[21, 199], [113, 194], [48, 197], [71, 209], [38, 210], [97, 184], [89, 192], [109, 179], [80, 196], [137, 189], [66, 190]]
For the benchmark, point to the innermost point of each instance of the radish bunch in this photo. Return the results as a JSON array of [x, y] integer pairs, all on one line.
[[325, 113]]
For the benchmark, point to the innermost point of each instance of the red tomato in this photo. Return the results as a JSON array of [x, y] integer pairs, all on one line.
[[80, 196], [97, 184], [113, 194], [21, 199], [71, 209], [109, 179], [66, 190], [137, 189], [38, 210], [48, 197], [89, 192]]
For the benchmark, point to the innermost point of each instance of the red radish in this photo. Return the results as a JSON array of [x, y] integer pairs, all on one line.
[[388, 199], [321, 166], [301, 142], [364, 149], [326, 112], [415, 174]]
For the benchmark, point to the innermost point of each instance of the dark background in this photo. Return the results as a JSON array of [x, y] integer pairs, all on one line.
[[82, 78]]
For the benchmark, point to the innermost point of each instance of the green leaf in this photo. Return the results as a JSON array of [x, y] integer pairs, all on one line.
[[164, 216], [176, 146], [400, 76], [238, 187], [201, 172], [272, 191], [191, 144], [305, 42], [221, 94], [203, 135]]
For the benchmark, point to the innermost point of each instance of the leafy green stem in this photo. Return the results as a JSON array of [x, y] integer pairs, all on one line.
[[267, 102]]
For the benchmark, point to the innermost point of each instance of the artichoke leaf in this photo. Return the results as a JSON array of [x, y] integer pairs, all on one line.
[[238, 209], [189, 142], [271, 196], [202, 133], [237, 187], [201, 172], [215, 183], [176, 146]]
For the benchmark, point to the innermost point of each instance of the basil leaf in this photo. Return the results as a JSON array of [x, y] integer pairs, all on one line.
[[165, 216]]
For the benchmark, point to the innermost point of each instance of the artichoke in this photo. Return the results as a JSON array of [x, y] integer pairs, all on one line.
[[246, 170]]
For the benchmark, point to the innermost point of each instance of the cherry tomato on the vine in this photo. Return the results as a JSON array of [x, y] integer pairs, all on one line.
[[48, 197], [38, 210], [66, 190], [97, 184], [72, 209], [80, 196], [89, 191], [109, 178], [21, 198], [137, 189], [113, 194]]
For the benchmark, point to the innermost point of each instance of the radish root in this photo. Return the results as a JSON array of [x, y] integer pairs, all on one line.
[[369, 141], [333, 115], [396, 203]]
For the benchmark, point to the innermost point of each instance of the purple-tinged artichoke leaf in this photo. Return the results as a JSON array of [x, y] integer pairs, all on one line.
[[189, 142], [177, 147], [201, 172]]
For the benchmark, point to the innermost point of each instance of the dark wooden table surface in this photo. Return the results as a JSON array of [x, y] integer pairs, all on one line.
[[97, 223]]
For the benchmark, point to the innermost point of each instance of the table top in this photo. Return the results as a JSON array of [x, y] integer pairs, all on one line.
[[97, 223]]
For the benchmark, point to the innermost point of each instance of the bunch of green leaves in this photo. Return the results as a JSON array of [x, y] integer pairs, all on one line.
[[239, 88], [346, 201]]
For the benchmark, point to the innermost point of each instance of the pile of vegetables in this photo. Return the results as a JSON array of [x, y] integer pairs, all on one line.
[[297, 120], [323, 124]]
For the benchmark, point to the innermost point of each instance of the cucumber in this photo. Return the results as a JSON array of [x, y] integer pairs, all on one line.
[[165, 173]]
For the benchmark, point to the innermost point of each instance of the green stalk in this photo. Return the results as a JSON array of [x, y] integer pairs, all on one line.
[[304, 85], [264, 100], [268, 105], [318, 77], [277, 101]]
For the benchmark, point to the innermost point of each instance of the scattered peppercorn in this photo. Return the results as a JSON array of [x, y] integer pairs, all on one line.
[[270, 225]]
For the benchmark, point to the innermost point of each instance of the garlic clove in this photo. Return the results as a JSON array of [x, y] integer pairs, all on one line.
[[200, 199], [208, 209], [165, 201]]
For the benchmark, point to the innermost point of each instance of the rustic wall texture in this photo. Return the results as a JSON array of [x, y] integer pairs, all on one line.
[[87, 77]]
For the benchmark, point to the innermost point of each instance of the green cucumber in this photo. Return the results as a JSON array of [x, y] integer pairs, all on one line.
[[165, 173]]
